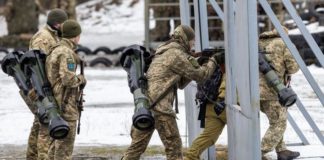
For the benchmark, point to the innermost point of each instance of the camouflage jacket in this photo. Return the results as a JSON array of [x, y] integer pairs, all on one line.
[[172, 64], [280, 58], [44, 39], [61, 72]]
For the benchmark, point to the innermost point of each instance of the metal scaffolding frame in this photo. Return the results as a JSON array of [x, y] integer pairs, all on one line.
[[240, 21], [242, 61], [299, 60], [149, 43]]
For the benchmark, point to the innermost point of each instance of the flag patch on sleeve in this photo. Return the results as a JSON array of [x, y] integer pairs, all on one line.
[[70, 64]]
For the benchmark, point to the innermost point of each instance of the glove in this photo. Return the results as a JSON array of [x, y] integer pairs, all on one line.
[[201, 60], [32, 95], [82, 80], [219, 107], [219, 57]]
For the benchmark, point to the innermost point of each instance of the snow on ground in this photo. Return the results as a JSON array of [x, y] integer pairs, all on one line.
[[313, 28], [112, 26], [109, 108], [109, 104]]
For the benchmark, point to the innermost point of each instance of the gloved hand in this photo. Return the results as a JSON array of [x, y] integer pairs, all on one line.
[[264, 66], [82, 80], [219, 107], [32, 95], [219, 57], [201, 60]]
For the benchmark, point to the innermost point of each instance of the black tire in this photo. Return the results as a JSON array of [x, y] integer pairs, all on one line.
[[105, 50], [4, 50], [306, 16], [312, 6], [101, 61], [85, 50], [118, 50], [21, 49]]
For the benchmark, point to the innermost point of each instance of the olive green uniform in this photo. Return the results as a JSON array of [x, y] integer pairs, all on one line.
[[283, 63], [214, 125], [61, 72], [171, 65], [38, 141]]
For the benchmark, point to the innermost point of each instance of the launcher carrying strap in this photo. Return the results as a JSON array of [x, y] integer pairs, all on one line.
[[166, 92]]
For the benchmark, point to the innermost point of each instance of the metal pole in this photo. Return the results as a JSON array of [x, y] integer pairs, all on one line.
[[185, 12], [147, 24], [242, 61], [297, 130], [310, 121], [308, 37], [217, 9], [191, 112], [293, 50], [204, 43], [230, 76]]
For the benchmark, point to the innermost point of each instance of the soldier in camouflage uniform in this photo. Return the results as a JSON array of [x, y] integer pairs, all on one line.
[[214, 125], [44, 39], [172, 66], [283, 63], [61, 72]]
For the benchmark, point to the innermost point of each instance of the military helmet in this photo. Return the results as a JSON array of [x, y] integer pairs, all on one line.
[[70, 29], [182, 30], [190, 33], [56, 16]]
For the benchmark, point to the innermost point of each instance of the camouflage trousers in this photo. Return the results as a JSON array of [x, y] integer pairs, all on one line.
[[168, 131], [62, 149], [214, 125], [32, 141], [277, 115], [38, 142]]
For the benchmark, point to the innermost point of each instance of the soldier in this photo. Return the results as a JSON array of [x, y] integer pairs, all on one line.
[[44, 39], [172, 67], [215, 116], [61, 72], [283, 63]]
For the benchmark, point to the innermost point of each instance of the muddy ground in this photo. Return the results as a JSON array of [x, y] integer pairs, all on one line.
[[14, 152], [11, 152]]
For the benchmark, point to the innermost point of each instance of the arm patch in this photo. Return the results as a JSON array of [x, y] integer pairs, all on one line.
[[70, 64], [193, 62]]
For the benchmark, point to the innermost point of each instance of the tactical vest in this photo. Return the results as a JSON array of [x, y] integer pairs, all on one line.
[[207, 92]]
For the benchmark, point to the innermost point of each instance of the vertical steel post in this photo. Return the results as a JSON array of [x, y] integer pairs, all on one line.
[[185, 12], [147, 24], [201, 27], [242, 62]]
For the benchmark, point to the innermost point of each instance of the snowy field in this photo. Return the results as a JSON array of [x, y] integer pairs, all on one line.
[[109, 108], [112, 26], [109, 104]]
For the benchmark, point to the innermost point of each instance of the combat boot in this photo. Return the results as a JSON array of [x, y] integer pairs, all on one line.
[[287, 155]]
